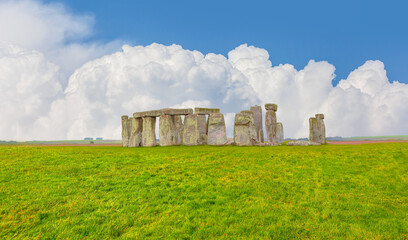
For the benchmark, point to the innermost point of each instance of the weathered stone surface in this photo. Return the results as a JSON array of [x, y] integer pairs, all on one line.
[[279, 133], [191, 134], [270, 126], [165, 111], [271, 106], [202, 128], [217, 134], [302, 143], [206, 111], [170, 130], [136, 129], [319, 115], [252, 128], [244, 129], [178, 123], [149, 132], [321, 129], [125, 131], [174, 111], [313, 132], [317, 130], [153, 113], [167, 130], [257, 110], [242, 119]]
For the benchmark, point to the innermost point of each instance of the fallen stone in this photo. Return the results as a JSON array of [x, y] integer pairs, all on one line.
[[191, 134], [135, 139], [302, 143], [206, 111], [217, 134], [149, 132]]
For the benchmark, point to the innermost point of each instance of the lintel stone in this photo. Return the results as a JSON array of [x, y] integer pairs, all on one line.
[[165, 111], [206, 111], [320, 115], [271, 106]]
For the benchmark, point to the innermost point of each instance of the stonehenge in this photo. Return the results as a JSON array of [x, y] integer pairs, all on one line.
[[317, 130], [136, 129], [258, 122], [217, 133], [206, 126], [140, 130], [274, 129], [191, 132], [244, 129], [125, 131]]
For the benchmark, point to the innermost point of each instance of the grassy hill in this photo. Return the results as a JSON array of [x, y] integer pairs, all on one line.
[[202, 192]]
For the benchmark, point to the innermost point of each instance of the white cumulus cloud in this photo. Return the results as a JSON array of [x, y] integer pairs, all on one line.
[[54, 86]]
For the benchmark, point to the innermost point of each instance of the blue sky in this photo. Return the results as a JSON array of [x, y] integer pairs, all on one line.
[[89, 62], [344, 33]]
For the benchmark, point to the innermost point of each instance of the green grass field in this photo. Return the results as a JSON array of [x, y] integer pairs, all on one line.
[[203, 192]]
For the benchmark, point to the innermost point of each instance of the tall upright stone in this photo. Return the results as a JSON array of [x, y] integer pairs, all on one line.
[[252, 128], [243, 135], [167, 130], [313, 131], [217, 134], [321, 129], [125, 131], [149, 132], [258, 122], [191, 133], [136, 129], [270, 122], [202, 128], [279, 133], [178, 123]]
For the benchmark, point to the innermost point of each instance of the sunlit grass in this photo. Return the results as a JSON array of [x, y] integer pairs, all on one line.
[[354, 192]]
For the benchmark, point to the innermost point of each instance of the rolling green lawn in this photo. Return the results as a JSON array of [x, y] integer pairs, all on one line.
[[203, 192]]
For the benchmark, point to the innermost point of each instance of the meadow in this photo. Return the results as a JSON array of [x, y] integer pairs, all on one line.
[[204, 192]]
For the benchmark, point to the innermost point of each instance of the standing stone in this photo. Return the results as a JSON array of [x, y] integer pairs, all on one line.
[[178, 123], [242, 129], [217, 134], [149, 132], [258, 122], [313, 131], [202, 128], [125, 131], [270, 122], [167, 130], [252, 128], [321, 129], [191, 134], [279, 133], [136, 129]]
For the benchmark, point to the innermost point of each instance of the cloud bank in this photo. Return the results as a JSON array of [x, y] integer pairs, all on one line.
[[58, 88]]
